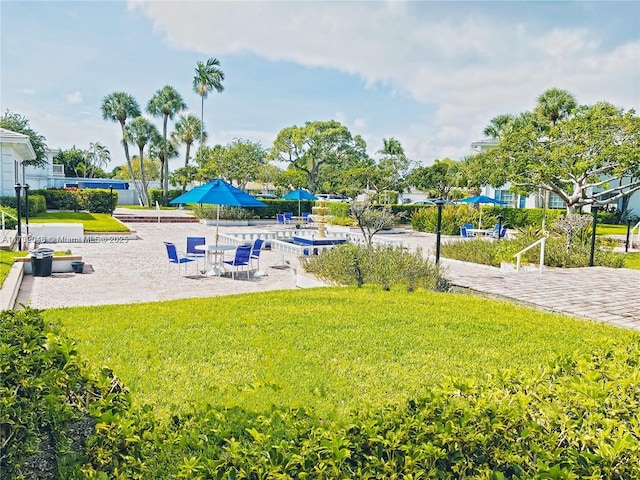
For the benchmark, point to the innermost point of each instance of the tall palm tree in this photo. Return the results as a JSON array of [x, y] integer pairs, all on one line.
[[208, 77], [186, 131], [498, 125], [166, 103], [118, 107], [158, 148], [556, 104], [141, 132], [97, 157]]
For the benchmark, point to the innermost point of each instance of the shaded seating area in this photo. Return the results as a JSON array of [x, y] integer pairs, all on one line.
[[175, 258], [465, 233]]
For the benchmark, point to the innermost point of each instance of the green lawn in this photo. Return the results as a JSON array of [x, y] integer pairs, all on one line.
[[611, 229], [6, 260], [632, 260], [93, 222], [331, 349]]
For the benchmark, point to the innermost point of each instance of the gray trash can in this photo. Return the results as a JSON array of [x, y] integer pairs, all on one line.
[[41, 261]]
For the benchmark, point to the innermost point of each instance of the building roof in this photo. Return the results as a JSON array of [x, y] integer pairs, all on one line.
[[19, 142]]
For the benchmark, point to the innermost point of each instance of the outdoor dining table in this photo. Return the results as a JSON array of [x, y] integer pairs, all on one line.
[[215, 257], [480, 232]]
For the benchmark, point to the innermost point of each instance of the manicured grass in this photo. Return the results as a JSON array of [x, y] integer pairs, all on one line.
[[6, 260], [632, 260], [611, 229], [93, 222], [330, 349]]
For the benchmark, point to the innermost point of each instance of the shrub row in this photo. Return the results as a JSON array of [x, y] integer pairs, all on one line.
[[380, 265], [92, 200], [573, 418], [37, 203]]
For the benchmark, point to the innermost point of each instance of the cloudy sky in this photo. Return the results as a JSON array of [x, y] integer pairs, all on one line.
[[431, 74]]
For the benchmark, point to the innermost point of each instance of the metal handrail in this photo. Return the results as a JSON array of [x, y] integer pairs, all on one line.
[[158, 210], [636, 227], [519, 254], [8, 215]]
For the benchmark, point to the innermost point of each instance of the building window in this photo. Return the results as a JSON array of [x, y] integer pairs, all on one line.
[[556, 202], [505, 196]]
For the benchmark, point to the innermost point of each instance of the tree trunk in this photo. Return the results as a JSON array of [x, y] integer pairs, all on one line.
[[145, 194], [125, 144], [165, 183]]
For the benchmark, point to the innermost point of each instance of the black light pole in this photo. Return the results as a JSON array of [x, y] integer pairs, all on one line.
[[500, 219], [630, 220], [594, 210], [111, 193], [18, 187], [26, 207], [439, 203]]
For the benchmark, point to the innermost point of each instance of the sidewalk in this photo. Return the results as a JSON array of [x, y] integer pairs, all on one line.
[[137, 271]]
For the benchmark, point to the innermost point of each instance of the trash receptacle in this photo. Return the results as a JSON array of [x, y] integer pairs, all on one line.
[[41, 262], [77, 266]]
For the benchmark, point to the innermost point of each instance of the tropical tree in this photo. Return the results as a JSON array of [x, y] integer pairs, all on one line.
[[165, 103], [240, 161], [70, 158], [590, 157], [316, 144], [555, 105], [141, 132], [208, 77], [97, 157], [19, 124], [118, 107], [185, 131], [439, 179], [498, 125], [158, 148]]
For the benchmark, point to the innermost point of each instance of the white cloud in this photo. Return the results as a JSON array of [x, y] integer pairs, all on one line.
[[470, 66], [74, 98]]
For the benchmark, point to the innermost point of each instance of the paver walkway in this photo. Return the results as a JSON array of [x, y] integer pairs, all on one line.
[[137, 271]]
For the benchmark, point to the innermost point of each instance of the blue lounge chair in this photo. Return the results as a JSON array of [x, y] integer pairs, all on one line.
[[255, 254], [194, 253]]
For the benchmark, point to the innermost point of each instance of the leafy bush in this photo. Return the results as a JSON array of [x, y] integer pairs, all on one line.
[[155, 195], [61, 199], [378, 265], [46, 395], [10, 222], [37, 203], [227, 213], [96, 200], [426, 219]]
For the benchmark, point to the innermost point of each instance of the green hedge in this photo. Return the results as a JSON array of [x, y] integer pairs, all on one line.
[[37, 203], [576, 417], [92, 200], [155, 195]]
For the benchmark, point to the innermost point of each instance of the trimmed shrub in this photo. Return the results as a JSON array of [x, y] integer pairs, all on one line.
[[380, 265], [61, 199], [155, 195], [37, 203], [10, 222], [96, 200]]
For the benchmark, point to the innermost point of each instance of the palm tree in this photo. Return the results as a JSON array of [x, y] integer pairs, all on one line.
[[141, 132], [556, 104], [498, 126], [186, 131], [158, 148], [165, 103], [117, 107], [208, 77], [96, 157]]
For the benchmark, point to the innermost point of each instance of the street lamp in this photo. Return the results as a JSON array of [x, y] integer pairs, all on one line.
[[26, 207], [111, 193], [18, 187], [439, 203], [500, 219], [594, 210]]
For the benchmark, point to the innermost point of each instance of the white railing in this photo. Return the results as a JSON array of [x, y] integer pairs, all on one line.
[[8, 215], [636, 227], [540, 242]]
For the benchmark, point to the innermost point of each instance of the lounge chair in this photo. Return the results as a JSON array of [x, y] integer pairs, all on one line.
[[465, 234], [194, 253]]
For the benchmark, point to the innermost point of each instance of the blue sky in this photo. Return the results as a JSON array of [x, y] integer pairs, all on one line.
[[431, 74]]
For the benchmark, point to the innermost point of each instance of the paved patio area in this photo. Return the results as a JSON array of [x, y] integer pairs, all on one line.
[[137, 271]]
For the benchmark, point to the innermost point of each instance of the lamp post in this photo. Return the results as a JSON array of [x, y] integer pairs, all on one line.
[[26, 207], [500, 219], [18, 187], [630, 220], [439, 203], [111, 196], [594, 210]]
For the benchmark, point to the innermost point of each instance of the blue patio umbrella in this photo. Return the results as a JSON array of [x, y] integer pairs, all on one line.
[[478, 199], [299, 194], [218, 192]]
